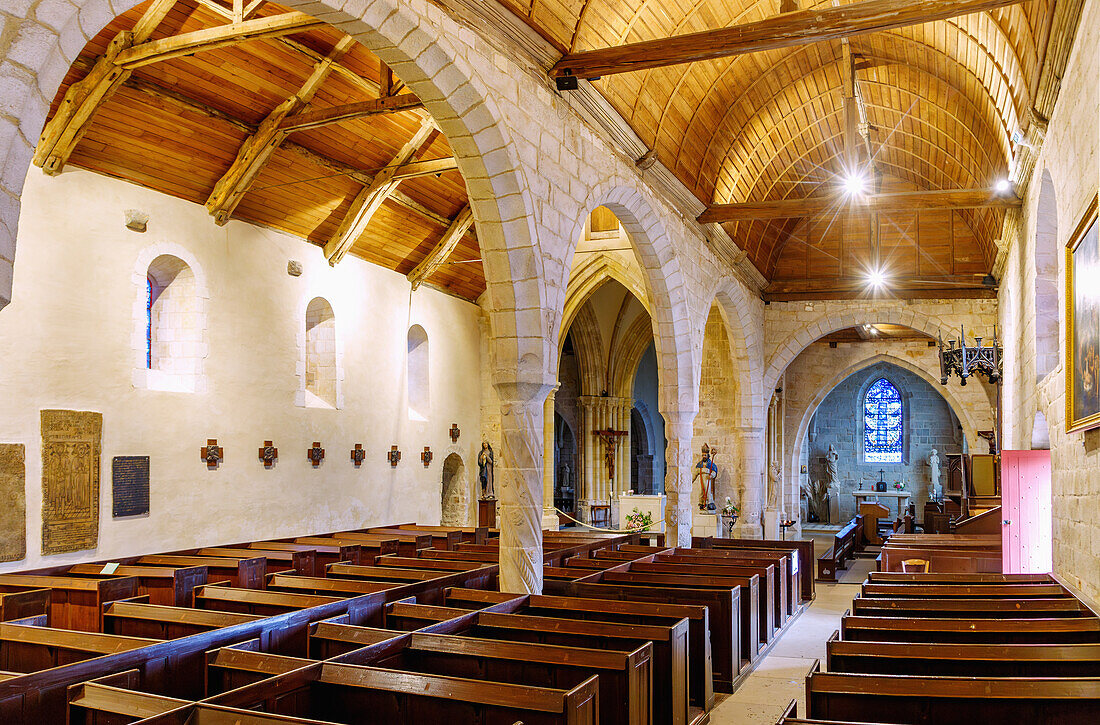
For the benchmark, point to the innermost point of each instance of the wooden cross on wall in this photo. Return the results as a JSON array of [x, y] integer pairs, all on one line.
[[268, 454], [426, 456], [357, 455], [212, 453], [316, 454], [393, 456], [610, 439], [455, 432]]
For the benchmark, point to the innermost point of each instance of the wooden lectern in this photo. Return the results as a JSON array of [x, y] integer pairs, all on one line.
[[487, 512], [872, 511]]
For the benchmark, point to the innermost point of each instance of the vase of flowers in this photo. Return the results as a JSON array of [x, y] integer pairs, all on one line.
[[898, 485], [729, 514], [638, 521]]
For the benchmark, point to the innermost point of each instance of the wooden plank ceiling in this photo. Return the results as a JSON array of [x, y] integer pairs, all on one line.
[[938, 104], [177, 125]]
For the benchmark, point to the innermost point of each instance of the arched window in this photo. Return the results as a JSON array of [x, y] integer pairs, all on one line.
[[321, 373], [882, 423], [171, 324], [417, 377]]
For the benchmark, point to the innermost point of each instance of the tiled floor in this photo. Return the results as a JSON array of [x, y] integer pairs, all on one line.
[[781, 676]]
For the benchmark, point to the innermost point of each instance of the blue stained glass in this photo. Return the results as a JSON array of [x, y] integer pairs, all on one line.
[[882, 426], [149, 322]]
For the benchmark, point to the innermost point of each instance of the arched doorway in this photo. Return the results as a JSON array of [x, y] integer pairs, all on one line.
[[565, 466], [454, 495], [641, 457]]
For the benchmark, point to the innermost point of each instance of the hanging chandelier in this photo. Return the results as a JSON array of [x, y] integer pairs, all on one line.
[[958, 358]]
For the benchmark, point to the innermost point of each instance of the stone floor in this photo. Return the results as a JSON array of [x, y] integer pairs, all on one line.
[[781, 676]]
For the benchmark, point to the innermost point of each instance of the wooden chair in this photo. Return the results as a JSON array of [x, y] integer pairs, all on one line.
[[914, 566]]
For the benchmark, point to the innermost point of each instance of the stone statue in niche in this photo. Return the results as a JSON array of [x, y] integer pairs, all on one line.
[[832, 459], [708, 471], [485, 470], [775, 479], [935, 492]]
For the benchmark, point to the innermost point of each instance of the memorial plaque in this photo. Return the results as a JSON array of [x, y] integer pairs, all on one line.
[[13, 502], [70, 480], [129, 486]]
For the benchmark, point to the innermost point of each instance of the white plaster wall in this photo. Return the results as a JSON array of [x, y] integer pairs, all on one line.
[[67, 338]]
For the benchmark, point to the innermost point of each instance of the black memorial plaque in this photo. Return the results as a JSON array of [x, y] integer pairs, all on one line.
[[130, 485]]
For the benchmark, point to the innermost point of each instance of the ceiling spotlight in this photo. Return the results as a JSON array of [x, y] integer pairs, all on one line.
[[854, 184], [1003, 186], [876, 279]]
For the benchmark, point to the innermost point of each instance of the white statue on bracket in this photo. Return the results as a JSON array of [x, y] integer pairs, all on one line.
[[935, 492]]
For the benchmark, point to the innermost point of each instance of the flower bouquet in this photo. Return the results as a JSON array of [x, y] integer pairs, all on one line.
[[639, 521]]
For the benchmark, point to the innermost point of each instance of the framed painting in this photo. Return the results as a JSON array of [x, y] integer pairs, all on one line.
[[1083, 324]]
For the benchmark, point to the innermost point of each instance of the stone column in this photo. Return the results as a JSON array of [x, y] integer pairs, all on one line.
[[753, 481], [519, 486], [624, 445], [678, 470], [549, 515]]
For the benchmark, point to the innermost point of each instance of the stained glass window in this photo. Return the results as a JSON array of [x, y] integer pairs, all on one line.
[[149, 322], [882, 426]]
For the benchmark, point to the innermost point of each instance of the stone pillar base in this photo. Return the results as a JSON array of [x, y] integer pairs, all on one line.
[[705, 524], [771, 524], [550, 520], [747, 531]]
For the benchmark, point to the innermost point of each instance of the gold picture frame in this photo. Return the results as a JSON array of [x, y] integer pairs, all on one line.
[[1082, 356]]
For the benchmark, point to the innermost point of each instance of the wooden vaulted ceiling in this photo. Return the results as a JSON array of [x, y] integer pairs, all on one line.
[[941, 101], [177, 126]]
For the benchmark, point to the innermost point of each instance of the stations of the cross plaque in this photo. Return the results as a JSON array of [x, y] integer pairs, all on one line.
[[610, 439]]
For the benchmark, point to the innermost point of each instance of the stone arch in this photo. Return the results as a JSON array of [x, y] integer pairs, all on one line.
[[675, 340], [960, 411], [735, 306], [321, 370], [1048, 309], [787, 351], [454, 492], [443, 78], [588, 278]]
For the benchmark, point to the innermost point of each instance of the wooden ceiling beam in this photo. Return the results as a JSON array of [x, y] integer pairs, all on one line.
[[900, 201], [349, 111], [779, 31], [83, 98], [443, 250], [258, 148], [272, 26], [367, 201]]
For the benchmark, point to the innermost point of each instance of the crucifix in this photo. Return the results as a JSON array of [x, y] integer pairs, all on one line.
[[610, 439]]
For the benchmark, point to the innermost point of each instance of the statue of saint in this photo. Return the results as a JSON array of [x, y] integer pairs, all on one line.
[[485, 470], [775, 483], [935, 493], [706, 470], [831, 470]]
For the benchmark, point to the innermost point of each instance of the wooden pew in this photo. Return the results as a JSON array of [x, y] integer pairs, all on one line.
[[893, 577], [228, 668], [17, 602], [25, 648], [96, 703], [723, 619], [980, 591], [771, 603], [325, 586], [964, 607], [845, 543], [1060, 630], [472, 534], [683, 654], [247, 573], [343, 693], [382, 573], [302, 562], [170, 586], [155, 621], [471, 556], [408, 542], [749, 603], [260, 602], [624, 677], [803, 561], [952, 700], [323, 554], [441, 537], [963, 660], [406, 562], [75, 602], [369, 548]]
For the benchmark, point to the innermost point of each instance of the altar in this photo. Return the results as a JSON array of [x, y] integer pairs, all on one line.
[[901, 496], [627, 502]]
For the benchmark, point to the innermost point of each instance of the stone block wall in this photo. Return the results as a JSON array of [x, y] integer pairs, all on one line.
[[717, 420]]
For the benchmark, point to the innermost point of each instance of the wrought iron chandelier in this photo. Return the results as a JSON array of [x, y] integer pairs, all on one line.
[[957, 358]]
